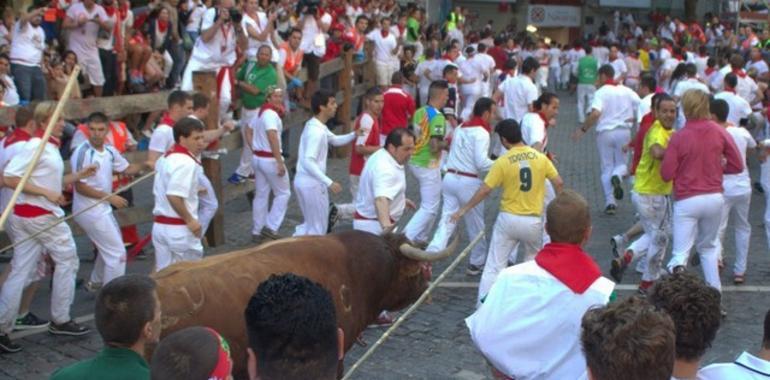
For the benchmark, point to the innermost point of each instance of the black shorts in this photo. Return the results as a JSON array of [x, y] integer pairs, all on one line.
[[312, 62]]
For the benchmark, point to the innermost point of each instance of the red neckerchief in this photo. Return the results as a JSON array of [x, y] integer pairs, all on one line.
[[182, 150], [577, 49], [109, 9], [709, 71], [730, 90], [669, 49], [18, 135], [679, 57], [53, 140], [268, 106], [447, 57], [477, 122], [542, 117], [166, 119], [384, 33], [611, 82], [570, 265], [401, 30], [162, 26], [740, 73]]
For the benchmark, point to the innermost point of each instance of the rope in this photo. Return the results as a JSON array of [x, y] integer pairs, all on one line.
[[46, 135], [414, 307], [66, 218]]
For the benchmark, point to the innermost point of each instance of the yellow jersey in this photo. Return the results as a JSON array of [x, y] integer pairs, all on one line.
[[521, 172], [648, 180], [644, 58]]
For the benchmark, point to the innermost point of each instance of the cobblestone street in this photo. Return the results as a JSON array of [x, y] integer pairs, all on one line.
[[434, 342]]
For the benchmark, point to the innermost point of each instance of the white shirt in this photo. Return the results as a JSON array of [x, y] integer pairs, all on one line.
[[313, 38], [162, 138], [469, 151], [739, 184], [760, 65], [645, 106], [47, 174], [620, 67], [422, 67], [176, 174], [533, 129], [617, 104], [746, 367], [518, 94], [196, 15], [517, 346], [739, 108], [486, 62], [220, 50], [254, 44], [472, 70], [555, 54], [747, 88], [6, 154], [314, 148], [82, 40], [107, 43], [573, 56], [267, 121], [602, 54], [27, 45], [383, 47], [382, 177], [689, 84], [107, 161], [11, 95]]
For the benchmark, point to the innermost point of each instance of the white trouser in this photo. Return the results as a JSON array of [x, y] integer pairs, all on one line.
[[654, 214], [469, 93], [696, 222], [225, 95], [103, 230], [430, 199], [585, 96], [267, 180], [550, 194], [174, 243], [372, 226], [554, 76], [423, 90], [457, 190], [737, 208], [207, 202], [639, 248], [384, 72], [60, 246], [764, 179], [541, 77], [346, 210], [245, 168], [612, 158], [313, 199], [510, 230]]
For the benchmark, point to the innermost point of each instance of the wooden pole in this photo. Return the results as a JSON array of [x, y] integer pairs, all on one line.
[[345, 110], [206, 82], [46, 135]]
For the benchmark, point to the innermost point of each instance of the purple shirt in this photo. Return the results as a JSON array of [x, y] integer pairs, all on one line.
[[694, 159]]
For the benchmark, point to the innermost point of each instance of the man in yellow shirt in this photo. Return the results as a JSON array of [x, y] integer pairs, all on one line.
[[521, 172], [651, 196]]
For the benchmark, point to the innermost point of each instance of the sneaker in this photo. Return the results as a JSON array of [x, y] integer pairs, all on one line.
[[473, 270], [68, 328], [616, 242], [739, 279], [617, 189], [7, 346], [92, 287], [236, 179], [270, 234], [642, 292], [678, 269], [610, 210], [29, 321], [758, 188], [617, 268], [385, 319], [695, 259], [334, 216]]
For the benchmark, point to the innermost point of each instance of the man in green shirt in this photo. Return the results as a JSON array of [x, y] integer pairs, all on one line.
[[127, 315], [429, 125], [587, 73], [413, 26]]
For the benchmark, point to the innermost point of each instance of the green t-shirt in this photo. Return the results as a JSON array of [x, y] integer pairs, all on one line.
[[588, 70], [109, 363], [412, 29], [428, 122], [260, 77]]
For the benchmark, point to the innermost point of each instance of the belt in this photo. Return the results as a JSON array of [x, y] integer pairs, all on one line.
[[262, 153], [25, 210], [162, 219], [464, 174], [358, 216]]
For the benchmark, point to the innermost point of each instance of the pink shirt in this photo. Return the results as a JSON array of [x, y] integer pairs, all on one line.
[[694, 159]]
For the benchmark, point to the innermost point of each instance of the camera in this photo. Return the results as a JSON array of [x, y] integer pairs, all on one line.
[[311, 5], [235, 16]]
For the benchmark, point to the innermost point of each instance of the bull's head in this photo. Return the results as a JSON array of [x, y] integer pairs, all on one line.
[[413, 273]]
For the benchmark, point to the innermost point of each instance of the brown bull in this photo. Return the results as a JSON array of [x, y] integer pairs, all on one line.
[[364, 273]]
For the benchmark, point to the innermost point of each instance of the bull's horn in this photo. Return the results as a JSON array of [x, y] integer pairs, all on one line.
[[422, 255]]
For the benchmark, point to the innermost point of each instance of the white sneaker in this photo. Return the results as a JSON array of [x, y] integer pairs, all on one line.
[[616, 244]]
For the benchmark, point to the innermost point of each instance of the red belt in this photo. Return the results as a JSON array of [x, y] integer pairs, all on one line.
[[262, 153], [358, 216], [169, 220], [29, 211], [453, 171]]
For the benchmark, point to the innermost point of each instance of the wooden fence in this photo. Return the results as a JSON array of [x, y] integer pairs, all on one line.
[[350, 82]]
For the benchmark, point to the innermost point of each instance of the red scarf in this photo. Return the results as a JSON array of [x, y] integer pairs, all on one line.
[[545, 120], [162, 26], [166, 119], [740, 73], [267, 106], [53, 140], [730, 90], [110, 10], [709, 71], [18, 135], [611, 82], [176, 148], [477, 122], [384, 33], [570, 265]]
